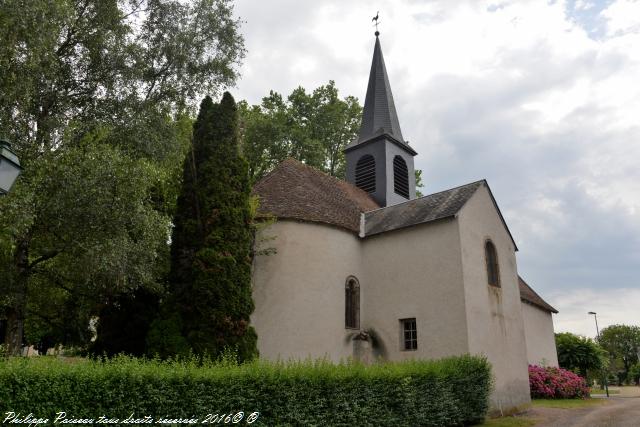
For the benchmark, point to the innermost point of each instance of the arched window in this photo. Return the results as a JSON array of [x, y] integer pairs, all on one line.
[[352, 303], [491, 258], [366, 173], [400, 177]]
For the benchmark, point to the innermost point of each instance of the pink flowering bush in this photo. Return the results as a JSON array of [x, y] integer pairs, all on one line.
[[556, 383]]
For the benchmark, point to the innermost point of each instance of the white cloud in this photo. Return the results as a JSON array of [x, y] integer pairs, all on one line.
[[583, 5], [623, 16], [619, 306]]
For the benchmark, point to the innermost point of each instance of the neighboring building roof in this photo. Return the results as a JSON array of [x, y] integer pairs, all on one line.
[[425, 209], [530, 296], [379, 116], [294, 190]]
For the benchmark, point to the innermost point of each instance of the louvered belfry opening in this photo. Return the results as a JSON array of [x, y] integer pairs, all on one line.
[[366, 173], [400, 177]]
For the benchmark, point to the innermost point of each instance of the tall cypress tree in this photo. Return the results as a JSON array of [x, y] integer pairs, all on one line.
[[211, 244], [187, 237]]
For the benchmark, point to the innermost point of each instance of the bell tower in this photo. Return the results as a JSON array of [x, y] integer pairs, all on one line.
[[380, 161]]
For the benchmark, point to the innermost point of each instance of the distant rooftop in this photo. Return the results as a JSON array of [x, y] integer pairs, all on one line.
[[530, 296]]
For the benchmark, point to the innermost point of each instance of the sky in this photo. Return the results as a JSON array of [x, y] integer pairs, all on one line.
[[541, 98]]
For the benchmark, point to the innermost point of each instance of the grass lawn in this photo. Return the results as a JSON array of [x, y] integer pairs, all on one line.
[[511, 421], [567, 403]]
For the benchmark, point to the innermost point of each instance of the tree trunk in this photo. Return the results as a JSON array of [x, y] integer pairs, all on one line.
[[15, 329], [15, 314]]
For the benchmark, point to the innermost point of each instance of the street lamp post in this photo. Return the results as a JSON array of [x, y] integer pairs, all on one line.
[[9, 167], [604, 379]]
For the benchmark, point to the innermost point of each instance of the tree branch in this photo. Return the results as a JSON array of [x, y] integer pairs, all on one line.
[[71, 31], [43, 258]]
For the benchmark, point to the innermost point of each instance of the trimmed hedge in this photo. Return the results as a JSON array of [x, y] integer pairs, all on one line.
[[446, 392]]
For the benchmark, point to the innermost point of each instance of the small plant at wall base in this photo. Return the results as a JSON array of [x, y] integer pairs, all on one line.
[[556, 383]]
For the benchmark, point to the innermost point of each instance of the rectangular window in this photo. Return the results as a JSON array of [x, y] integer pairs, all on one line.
[[409, 334]]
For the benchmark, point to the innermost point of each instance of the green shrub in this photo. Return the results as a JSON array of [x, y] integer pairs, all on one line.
[[556, 383], [634, 374], [452, 391]]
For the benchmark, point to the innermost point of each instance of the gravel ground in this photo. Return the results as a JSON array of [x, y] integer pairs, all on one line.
[[619, 411]]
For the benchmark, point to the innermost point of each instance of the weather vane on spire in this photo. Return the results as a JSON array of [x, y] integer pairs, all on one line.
[[375, 18]]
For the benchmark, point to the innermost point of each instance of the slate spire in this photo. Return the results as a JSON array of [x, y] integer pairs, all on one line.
[[379, 160], [379, 115]]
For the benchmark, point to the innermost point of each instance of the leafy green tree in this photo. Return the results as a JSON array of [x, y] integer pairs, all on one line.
[[95, 96], [213, 238], [94, 235], [311, 127], [579, 354], [623, 344], [419, 183], [264, 128]]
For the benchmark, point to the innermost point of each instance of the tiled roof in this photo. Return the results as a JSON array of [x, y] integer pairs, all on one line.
[[529, 295], [418, 211], [294, 190]]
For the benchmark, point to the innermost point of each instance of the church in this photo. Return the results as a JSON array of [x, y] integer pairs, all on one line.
[[363, 269]]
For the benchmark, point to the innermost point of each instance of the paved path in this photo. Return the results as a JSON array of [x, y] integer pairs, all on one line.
[[617, 412], [625, 391]]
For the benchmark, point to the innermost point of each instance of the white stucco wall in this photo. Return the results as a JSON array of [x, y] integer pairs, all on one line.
[[540, 338], [416, 272], [494, 315], [299, 291], [433, 272]]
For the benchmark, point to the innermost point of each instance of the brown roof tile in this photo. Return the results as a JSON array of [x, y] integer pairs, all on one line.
[[529, 295], [294, 190]]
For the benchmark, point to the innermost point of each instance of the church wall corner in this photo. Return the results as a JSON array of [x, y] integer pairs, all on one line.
[[494, 314]]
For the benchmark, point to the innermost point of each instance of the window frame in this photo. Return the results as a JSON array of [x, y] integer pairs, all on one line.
[[411, 343], [492, 265], [352, 303]]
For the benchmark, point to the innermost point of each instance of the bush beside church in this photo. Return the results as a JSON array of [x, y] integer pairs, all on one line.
[[451, 391], [556, 383]]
